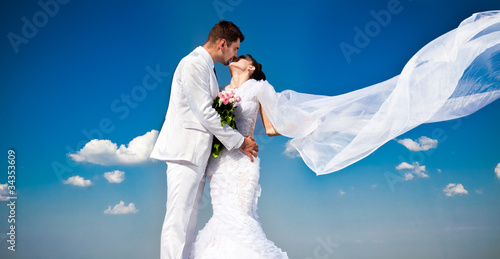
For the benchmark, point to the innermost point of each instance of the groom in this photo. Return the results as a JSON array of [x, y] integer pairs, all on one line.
[[185, 139]]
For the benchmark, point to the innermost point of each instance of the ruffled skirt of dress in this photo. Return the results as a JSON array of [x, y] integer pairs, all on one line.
[[234, 230]]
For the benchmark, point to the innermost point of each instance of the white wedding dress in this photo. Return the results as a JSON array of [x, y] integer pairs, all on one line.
[[234, 230]]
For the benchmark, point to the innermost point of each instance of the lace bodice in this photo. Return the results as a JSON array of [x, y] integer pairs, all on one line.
[[247, 110]]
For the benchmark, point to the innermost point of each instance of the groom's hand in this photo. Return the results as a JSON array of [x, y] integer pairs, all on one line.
[[249, 147]]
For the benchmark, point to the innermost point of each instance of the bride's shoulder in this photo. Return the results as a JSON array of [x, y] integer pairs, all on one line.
[[254, 87], [253, 84], [257, 83]]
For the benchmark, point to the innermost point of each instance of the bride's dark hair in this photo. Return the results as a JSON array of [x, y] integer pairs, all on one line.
[[257, 73]]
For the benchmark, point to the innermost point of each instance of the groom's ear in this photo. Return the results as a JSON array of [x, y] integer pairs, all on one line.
[[222, 44]]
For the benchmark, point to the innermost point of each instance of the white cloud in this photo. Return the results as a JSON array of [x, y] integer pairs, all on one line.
[[414, 170], [120, 208], [404, 165], [497, 171], [77, 181], [341, 192], [104, 152], [424, 143], [439, 171], [374, 186], [115, 176], [479, 191], [4, 192], [453, 189], [290, 151], [409, 176]]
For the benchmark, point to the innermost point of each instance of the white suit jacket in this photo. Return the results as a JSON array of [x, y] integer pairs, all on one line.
[[191, 122]]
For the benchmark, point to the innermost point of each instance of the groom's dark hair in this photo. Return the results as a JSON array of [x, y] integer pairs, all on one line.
[[225, 30]]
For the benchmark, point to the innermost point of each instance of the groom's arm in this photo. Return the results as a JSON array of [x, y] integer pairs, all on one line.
[[196, 88]]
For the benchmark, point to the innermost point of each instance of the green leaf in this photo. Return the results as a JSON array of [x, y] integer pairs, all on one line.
[[216, 147]]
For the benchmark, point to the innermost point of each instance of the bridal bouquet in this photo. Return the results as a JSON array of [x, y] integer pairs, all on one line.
[[224, 104]]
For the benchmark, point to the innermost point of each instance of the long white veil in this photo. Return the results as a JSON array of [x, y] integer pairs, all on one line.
[[451, 77]]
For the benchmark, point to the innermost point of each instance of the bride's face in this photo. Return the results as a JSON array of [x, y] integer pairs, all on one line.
[[240, 64]]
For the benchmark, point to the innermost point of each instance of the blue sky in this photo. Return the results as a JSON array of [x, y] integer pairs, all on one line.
[[78, 73]]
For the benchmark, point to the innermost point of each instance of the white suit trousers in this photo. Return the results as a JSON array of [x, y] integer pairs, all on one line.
[[185, 184]]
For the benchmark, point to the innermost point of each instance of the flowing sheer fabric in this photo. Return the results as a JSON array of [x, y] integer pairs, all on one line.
[[451, 77]]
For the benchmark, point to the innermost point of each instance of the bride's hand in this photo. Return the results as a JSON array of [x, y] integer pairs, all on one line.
[[249, 147]]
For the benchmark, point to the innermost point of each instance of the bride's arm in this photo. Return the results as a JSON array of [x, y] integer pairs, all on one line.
[[270, 130]]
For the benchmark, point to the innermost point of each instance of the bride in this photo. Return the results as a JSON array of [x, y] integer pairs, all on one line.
[[453, 76], [234, 231]]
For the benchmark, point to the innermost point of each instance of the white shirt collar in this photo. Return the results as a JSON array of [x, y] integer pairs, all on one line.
[[205, 55]]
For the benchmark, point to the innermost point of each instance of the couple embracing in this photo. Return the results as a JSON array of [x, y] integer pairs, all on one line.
[[185, 144]]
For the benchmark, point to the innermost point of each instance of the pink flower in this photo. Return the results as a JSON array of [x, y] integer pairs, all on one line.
[[228, 96]]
